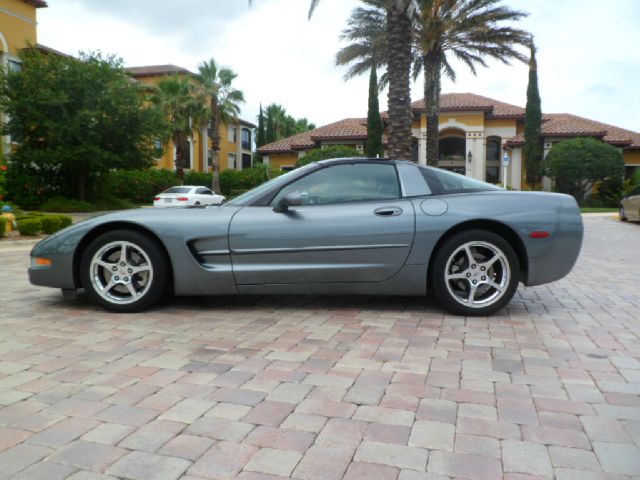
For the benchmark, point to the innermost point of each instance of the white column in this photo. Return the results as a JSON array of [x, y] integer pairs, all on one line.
[[475, 145], [422, 147], [515, 169], [191, 157]]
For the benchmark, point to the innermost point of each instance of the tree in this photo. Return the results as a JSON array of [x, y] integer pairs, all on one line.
[[373, 147], [577, 164], [282, 125], [184, 108], [261, 139], [533, 150], [75, 119], [224, 104], [325, 153], [399, 15], [470, 31]]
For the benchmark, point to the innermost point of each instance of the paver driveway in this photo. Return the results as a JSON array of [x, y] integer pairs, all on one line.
[[324, 388]]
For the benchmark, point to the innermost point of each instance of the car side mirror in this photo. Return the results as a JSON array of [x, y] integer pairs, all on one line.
[[293, 199]]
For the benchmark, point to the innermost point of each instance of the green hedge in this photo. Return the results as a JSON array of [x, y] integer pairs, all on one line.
[[65, 221], [138, 186], [3, 226], [50, 224], [62, 204], [29, 226]]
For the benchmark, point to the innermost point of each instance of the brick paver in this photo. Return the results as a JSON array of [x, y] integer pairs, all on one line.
[[328, 388]]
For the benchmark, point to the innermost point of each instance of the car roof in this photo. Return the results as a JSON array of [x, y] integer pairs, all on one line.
[[363, 160], [189, 186]]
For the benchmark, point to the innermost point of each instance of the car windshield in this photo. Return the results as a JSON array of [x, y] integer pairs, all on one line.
[[252, 195], [177, 190], [442, 182]]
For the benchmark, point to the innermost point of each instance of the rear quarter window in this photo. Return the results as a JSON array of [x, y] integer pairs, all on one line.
[[177, 190], [442, 182]]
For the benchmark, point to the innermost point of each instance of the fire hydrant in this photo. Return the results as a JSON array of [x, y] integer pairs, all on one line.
[[11, 218]]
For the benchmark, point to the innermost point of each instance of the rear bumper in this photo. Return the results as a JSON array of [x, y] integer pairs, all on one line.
[[562, 254]]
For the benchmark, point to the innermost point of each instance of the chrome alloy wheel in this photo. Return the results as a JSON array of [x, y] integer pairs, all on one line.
[[121, 272], [477, 274]]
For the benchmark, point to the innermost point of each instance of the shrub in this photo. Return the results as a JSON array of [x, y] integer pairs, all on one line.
[[325, 153], [199, 179], [65, 221], [138, 186], [111, 203], [62, 204], [50, 224], [29, 226], [3, 226], [242, 180], [577, 164]]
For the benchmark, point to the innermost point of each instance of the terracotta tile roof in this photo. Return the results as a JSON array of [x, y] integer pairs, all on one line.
[[156, 70], [568, 125], [347, 129], [457, 102], [36, 3]]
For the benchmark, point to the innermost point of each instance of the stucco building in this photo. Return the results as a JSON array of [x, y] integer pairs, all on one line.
[[475, 134], [18, 29], [236, 140]]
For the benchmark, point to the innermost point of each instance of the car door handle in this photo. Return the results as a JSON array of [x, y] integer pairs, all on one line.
[[388, 211]]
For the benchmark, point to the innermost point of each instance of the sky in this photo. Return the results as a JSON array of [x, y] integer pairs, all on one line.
[[588, 52]]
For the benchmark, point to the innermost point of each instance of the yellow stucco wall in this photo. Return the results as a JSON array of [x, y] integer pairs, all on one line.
[[278, 160], [631, 157], [17, 25], [500, 123], [470, 119]]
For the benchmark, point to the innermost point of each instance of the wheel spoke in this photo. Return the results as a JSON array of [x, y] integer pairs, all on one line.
[[493, 284], [469, 255], [139, 268], [132, 290], [123, 253], [105, 265], [107, 288], [489, 263], [457, 276], [472, 293]]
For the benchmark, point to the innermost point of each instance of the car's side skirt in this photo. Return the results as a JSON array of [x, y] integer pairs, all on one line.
[[411, 280]]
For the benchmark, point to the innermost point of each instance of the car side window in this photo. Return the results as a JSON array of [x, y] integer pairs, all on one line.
[[344, 183], [204, 191]]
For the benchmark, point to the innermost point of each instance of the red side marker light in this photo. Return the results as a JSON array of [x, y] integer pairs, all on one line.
[[539, 234]]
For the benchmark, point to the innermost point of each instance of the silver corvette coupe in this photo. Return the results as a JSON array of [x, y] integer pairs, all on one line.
[[336, 227]]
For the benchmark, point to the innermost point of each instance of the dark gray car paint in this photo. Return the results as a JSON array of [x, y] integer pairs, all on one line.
[[251, 249]]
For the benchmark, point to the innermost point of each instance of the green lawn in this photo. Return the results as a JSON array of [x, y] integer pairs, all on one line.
[[598, 210]]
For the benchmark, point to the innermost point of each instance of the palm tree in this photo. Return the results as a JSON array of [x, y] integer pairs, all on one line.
[[224, 105], [183, 108], [470, 31], [399, 15]]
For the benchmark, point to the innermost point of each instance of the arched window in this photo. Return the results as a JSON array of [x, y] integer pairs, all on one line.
[[494, 149], [452, 147]]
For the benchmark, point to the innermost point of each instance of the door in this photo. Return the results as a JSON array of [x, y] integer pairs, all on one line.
[[352, 226]]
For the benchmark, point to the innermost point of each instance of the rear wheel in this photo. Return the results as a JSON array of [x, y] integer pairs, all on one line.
[[124, 271], [475, 273]]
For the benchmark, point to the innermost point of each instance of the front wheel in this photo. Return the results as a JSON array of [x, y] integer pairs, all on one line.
[[475, 273], [124, 271]]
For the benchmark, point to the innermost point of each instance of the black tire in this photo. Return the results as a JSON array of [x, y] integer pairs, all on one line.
[[452, 259], [142, 253], [197, 204], [623, 217]]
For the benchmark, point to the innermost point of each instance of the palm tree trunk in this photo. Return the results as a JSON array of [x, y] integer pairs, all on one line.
[[178, 161], [432, 66], [399, 97]]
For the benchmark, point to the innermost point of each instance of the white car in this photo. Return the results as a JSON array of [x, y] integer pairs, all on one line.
[[630, 206], [188, 196]]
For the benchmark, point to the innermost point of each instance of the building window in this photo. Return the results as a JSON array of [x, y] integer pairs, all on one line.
[[231, 160], [246, 139], [492, 170], [246, 160], [232, 134], [14, 66], [210, 158]]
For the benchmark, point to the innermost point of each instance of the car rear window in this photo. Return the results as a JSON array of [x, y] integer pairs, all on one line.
[[442, 182], [177, 190]]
